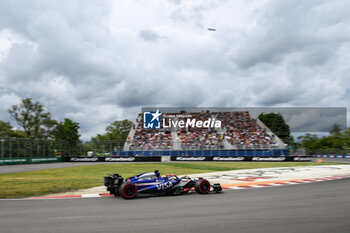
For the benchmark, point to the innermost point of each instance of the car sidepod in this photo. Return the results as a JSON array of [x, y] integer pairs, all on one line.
[[154, 186]]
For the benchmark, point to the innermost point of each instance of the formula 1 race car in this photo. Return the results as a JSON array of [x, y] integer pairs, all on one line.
[[154, 184]]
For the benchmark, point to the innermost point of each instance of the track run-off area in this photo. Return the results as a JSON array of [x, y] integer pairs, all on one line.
[[314, 207], [243, 179], [311, 199]]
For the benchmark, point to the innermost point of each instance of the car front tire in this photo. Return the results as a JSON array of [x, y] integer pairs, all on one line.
[[202, 186]]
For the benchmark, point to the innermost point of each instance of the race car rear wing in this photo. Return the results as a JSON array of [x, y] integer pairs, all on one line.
[[112, 182]]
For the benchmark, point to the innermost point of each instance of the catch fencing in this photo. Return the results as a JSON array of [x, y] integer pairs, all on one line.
[[30, 148], [20, 150]]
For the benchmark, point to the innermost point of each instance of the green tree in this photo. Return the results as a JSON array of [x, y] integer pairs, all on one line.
[[118, 130], [67, 130], [335, 129], [338, 140], [32, 117], [7, 131], [346, 138], [276, 123], [309, 141]]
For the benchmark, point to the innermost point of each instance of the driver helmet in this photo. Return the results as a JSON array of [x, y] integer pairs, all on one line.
[[157, 173]]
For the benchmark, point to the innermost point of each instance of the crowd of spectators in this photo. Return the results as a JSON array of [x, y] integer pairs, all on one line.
[[238, 128], [242, 130], [146, 139], [200, 138]]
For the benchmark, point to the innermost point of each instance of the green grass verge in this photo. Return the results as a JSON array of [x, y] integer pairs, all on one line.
[[38, 183]]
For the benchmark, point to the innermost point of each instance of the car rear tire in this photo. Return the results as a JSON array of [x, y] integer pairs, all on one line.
[[128, 190], [202, 186]]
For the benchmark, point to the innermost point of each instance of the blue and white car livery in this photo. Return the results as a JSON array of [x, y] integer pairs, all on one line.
[[153, 183]]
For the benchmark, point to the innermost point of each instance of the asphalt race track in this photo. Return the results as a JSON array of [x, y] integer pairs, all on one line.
[[315, 207]]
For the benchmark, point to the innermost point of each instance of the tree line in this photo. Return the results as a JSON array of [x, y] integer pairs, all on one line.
[[337, 139], [35, 122]]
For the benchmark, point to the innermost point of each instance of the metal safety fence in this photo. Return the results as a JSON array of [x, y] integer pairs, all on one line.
[[329, 151], [30, 148], [36, 148]]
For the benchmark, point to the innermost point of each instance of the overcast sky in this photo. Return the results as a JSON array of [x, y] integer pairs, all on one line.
[[100, 61]]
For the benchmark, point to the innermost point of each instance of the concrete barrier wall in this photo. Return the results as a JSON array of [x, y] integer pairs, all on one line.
[[9, 161], [334, 156], [190, 158]]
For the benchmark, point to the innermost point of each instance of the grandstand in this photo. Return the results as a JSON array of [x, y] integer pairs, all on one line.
[[238, 131]]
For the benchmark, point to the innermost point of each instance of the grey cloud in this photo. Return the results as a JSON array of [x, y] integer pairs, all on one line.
[[303, 119], [299, 119], [285, 27], [95, 61], [175, 1], [149, 35]]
